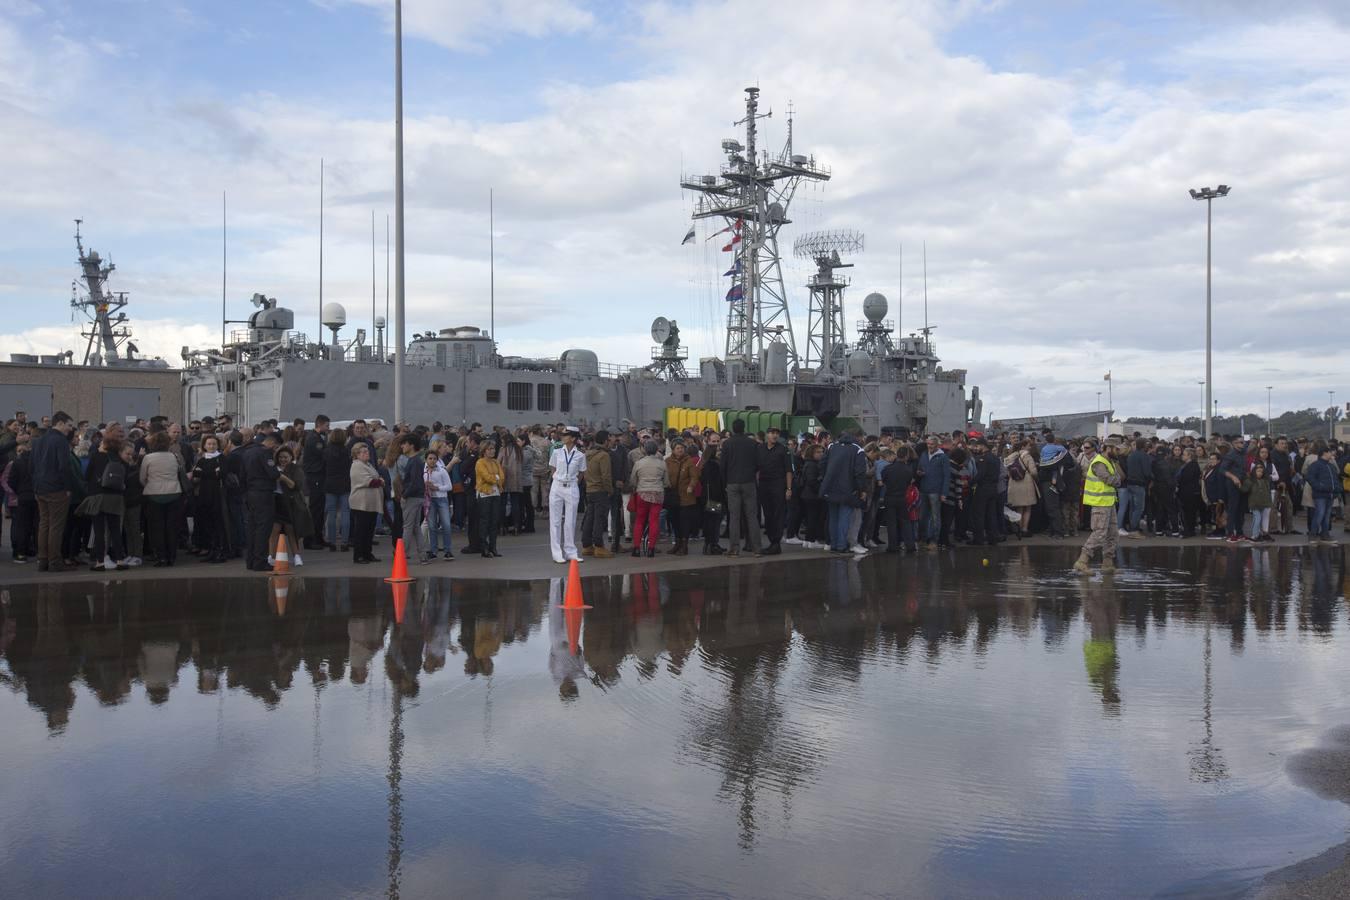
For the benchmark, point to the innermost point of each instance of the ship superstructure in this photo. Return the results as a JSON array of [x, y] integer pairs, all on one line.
[[880, 380]]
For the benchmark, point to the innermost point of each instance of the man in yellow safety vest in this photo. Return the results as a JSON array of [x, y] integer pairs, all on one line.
[[1101, 478]]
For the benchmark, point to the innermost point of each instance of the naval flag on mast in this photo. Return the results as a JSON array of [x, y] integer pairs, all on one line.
[[688, 238]]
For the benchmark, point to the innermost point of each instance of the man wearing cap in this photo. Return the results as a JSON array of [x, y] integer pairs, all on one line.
[[1101, 479], [568, 464]]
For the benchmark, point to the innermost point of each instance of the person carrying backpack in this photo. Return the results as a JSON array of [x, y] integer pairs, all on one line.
[[106, 478]]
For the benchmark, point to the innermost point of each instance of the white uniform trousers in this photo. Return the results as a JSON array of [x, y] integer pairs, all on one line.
[[562, 521]]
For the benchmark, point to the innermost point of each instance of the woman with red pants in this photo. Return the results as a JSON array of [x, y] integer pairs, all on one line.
[[650, 480]]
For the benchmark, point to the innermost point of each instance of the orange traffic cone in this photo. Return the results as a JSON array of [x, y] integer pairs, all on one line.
[[400, 601], [573, 617], [573, 599], [280, 589], [281, 563], [399, 575]]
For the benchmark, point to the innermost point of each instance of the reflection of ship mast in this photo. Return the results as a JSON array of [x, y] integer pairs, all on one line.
[[395, 779]]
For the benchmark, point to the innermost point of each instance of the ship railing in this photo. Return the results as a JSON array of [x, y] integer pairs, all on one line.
[[268, 336]]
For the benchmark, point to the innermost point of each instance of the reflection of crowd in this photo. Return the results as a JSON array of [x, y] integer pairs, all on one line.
[[740, 623]]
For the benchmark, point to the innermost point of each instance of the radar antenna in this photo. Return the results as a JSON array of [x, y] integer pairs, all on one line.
[[752, 196], [826, 345], [668, 356]]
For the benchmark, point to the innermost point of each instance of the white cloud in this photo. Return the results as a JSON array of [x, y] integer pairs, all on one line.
[[473, 24]]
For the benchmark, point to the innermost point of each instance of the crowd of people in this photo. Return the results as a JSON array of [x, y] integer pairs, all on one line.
[[113, 497]]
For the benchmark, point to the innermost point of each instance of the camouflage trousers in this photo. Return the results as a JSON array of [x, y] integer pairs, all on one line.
[[1103, 533]]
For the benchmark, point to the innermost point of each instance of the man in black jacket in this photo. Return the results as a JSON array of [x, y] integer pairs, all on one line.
[[51, 484], [311, 463], [895, 480], [260, 484], [984, 498], [740, 467], [775, 486], [621, 467]]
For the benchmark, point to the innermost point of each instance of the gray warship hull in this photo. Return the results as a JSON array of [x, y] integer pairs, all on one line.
[[287, 389]]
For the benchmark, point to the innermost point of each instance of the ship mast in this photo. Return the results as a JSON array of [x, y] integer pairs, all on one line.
[[752, 196], [106, 332]]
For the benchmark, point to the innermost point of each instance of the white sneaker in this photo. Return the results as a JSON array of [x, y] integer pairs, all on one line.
[[797, 541], [1124, 532], [298, 560], [559, 560], [858, 549], [132, 561], [108, 565]]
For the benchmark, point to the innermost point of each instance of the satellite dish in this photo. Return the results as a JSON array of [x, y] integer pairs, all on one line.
[[660, 329], [334, 315]]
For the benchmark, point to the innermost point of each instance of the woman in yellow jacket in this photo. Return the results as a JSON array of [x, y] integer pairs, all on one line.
[[489, 477], [681, 503]]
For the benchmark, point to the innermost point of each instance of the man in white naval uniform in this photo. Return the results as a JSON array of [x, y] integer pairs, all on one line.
[[568, 464]]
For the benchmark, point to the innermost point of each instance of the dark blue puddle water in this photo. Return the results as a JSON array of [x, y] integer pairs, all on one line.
[[918, 727]]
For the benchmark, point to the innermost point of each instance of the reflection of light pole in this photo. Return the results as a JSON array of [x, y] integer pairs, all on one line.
[[1208, 196], [1031, 391], [1268, 428]]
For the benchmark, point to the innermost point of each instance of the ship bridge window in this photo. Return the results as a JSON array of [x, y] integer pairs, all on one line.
[[518, 395], [438, 389], [564, 398], [494, 395], [544, 398]]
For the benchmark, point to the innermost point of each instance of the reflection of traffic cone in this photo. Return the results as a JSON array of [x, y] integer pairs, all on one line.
[[573, 599], [282, 564], [280, 588], [400, 600], [573, 616], [400, 573]]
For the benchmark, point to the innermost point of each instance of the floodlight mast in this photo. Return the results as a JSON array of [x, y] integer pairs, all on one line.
[[752, 196], [1209, 196]]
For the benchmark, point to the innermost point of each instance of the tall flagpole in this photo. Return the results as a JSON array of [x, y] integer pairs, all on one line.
[[398, 212], [492, 273], [321, 249], [372, 277], [387, 324], [223, 264]]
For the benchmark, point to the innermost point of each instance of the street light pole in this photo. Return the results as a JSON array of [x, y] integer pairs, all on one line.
[[1032, 392], [1099, 401], [1331, 415], [1269, 431], [1208, 195]]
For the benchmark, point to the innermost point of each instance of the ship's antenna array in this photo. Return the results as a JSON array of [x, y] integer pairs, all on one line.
[[752, 196], [825, 342], [107, 331]]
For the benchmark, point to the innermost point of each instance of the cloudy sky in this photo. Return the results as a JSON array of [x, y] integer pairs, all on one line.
[[1042, 150]]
